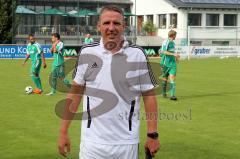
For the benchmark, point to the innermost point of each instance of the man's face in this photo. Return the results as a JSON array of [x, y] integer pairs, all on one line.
[[54, 39], [174, 37], [111, 25], [31, 39]]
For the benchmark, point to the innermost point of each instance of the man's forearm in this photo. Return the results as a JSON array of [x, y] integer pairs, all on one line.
[[151, 110], [72, 102], [69, 112], [168, 53], [26, 59], [43, 58]]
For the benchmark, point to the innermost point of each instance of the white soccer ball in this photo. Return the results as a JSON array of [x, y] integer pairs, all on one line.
[[28, 90], [222, 57]]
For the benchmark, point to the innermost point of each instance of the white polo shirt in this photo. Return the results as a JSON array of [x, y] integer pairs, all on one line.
[[114, 83]]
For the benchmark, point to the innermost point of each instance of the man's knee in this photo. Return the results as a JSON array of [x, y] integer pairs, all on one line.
[[164, 79], [172, 77], [35, 74]]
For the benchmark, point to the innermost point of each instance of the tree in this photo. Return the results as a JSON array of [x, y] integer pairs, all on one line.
[[7, 21]]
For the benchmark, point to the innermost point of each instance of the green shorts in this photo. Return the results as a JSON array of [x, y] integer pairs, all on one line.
[[58, 71], [36, 67], [166, 71]]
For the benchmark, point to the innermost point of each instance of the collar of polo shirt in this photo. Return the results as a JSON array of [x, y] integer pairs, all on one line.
[[125, 45]]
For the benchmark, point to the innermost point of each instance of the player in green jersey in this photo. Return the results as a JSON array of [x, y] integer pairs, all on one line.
[[88, 39], [168, 64], [58, 63], [35, 53]]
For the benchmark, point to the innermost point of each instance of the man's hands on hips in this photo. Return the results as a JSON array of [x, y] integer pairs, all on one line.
[[153, 145], [64, 144]]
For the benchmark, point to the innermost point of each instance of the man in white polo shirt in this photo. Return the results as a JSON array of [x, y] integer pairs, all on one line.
[[111, 76]]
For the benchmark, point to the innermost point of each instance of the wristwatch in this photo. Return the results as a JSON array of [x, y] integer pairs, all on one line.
[[153, 135]]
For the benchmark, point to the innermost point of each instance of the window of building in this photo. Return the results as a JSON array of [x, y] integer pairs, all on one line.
[[31, 7], [47, 7], [62, 8], [150, 18], [173, 20], [230, 19], [39, 18], [21, 41], [195, 43], [47, 19], [93, 20], [162, 21], [69, 8], [194, 19], [39, 9], [212, 19], [220, 43]]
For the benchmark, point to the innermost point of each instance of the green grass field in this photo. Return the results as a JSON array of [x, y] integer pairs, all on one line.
[[209, 102]]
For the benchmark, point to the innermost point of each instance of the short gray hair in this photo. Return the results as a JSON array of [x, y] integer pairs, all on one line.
[[111, 8]]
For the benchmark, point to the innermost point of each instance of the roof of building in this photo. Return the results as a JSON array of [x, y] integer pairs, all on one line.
[[107, 1], [84, 1], [205, 3]]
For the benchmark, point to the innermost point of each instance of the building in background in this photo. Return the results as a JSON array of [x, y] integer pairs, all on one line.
[[71, 28], [198, 22]]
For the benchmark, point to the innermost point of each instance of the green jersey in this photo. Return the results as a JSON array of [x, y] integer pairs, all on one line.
[[88, 40], [168, 60], [58, 55], [34, 50]]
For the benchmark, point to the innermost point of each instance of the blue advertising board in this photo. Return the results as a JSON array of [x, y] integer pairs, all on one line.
[[19, 51]]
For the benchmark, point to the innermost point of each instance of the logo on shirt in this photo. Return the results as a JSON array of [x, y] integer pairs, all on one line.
[[94, 65]]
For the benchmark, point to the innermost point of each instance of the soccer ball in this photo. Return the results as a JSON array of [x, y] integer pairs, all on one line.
[[222, 57], [28, 90]]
